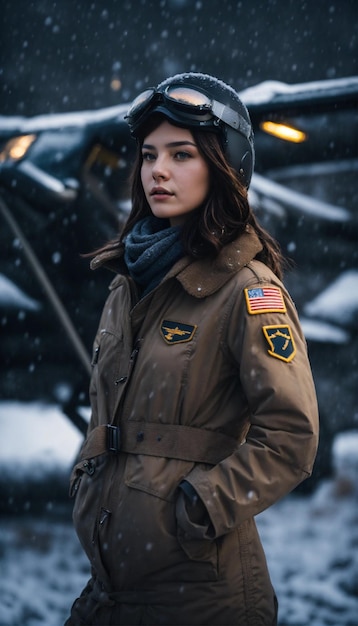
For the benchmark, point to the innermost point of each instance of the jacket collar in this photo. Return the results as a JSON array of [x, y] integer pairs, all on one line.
[[204, 277], [199, 278]]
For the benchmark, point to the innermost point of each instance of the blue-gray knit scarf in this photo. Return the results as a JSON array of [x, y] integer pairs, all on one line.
[[151, 249]]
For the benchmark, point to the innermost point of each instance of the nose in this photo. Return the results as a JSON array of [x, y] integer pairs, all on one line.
[[160, 168]]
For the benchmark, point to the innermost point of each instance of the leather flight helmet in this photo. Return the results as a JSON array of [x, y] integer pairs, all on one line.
[[195, 100]]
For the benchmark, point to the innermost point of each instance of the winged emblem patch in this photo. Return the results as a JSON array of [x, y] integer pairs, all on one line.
[[176, 332]]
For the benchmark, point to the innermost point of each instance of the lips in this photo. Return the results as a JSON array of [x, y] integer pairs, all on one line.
[[160, 191]]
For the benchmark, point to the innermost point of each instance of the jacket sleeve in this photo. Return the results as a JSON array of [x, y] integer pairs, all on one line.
[[270, 353]]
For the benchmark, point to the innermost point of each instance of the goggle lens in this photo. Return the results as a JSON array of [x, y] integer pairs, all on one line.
[[187, 96], [140, 103], [183, 96]]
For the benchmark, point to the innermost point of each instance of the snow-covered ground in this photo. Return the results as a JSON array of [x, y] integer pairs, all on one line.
[[310, 541]]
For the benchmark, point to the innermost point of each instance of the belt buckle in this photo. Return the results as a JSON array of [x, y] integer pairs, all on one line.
[[113, 438]]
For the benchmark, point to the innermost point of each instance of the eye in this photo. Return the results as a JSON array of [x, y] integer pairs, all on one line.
[[148, 156], [182, 155]]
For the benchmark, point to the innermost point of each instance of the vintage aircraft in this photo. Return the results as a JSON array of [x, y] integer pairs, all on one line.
[[64, 191]]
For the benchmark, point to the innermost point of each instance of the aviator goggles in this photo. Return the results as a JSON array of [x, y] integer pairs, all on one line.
[[185, 105]]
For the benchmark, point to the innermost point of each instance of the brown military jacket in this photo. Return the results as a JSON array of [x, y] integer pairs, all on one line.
[[207, 387]]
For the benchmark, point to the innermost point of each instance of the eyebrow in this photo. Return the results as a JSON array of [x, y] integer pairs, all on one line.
[[173, 144]]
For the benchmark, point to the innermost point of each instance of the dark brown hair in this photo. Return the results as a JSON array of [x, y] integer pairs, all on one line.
[[223, 216]]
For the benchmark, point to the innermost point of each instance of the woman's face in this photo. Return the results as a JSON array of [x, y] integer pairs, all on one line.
[[175, 177]]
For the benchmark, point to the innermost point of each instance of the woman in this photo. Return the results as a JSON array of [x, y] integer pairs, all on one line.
[[203, 406]]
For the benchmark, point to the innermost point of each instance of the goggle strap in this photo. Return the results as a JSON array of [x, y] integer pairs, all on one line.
[[231, 118]]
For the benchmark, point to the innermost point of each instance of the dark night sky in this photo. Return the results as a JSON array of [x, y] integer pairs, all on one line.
[[62, 55]]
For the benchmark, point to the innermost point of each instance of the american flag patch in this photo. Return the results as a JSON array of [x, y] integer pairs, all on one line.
[[264, 300]]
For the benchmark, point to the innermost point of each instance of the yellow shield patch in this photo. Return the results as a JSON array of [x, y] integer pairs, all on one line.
[[280, 340]]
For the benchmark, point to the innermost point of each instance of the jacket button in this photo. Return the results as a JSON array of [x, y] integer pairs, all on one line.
[[140, 436], [89, 467]]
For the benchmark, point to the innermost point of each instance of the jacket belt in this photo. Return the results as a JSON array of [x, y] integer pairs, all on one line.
[[162, 440]]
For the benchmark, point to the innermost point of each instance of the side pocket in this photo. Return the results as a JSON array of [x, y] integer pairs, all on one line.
[[157, 476], [204, 552]]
